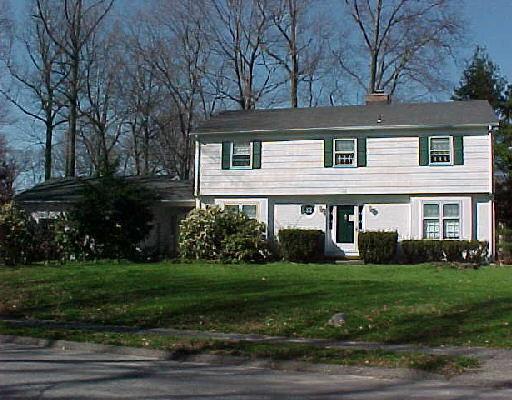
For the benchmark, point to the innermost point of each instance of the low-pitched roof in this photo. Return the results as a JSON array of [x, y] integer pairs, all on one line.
[[68, 190], [371, 116]]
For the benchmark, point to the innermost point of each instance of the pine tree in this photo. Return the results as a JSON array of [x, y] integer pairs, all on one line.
[[481, 80]]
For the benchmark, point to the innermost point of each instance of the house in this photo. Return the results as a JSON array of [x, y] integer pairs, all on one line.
[[175, 200], [424, 170]]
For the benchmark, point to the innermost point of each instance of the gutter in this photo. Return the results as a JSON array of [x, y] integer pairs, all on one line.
[[350, 128]]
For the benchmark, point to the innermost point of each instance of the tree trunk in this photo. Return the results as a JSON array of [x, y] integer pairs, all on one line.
[[294, 78], [48, 150]]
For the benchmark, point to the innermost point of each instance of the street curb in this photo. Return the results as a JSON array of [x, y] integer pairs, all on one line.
[[222, 360]]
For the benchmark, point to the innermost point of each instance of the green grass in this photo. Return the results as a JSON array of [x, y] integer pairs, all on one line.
[[441, 364], [394, 304]]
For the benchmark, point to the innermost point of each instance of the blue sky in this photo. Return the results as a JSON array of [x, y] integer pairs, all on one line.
[[490, 22]]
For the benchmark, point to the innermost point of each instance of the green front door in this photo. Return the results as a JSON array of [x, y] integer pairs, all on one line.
[[344, 224]]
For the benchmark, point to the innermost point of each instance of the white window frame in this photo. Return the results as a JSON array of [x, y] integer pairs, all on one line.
[[241, 205], [232, 149], [441, 218], [334, 152], [450, 140]]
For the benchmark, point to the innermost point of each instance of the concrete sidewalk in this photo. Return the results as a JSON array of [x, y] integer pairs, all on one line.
[[28, 372], [496, 363]]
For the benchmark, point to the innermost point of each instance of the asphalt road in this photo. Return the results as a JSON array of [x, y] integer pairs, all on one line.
[[29, 372]]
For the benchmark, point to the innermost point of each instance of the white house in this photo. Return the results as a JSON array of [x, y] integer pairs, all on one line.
[[424, 170]]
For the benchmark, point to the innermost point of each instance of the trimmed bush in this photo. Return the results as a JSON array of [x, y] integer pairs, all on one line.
[[218, 235], [420, 251], [301, 245], [464, 251], [378, 247]]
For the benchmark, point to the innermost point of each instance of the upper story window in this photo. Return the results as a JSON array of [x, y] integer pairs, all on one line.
[[440, 151], [345, 152], [441, 220], [241, 155]]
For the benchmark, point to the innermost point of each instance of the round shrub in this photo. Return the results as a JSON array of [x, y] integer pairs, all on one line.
[[16, 237], [218, 235], [301, 245]]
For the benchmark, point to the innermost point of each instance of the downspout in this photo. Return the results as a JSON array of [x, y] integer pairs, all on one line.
[[492, 187], [197, 163]]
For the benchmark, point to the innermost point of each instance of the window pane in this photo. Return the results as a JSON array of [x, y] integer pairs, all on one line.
[[451, 229], [249, 210], [241, 160], [344, 159], [451, 210], [241, 149], [430, 229], [344, 145], [440, 144], [431, 210], [231, 207]]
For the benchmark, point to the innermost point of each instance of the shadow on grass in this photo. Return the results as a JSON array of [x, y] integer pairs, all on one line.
[[459, 324]]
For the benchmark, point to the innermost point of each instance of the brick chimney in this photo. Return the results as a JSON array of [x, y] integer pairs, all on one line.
[[378, 97]]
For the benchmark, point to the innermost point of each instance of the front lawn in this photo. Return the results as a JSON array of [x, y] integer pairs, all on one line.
[[394, 304]]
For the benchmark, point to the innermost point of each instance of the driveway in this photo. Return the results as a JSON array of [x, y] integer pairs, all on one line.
[[30, 372]]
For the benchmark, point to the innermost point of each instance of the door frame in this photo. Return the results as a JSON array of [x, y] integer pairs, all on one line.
[[345, 248]]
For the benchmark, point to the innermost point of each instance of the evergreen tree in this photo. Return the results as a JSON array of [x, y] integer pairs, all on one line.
[[481, 80]]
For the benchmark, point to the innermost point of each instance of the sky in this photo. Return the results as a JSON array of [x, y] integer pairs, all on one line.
[[489, 26], [490, 22]]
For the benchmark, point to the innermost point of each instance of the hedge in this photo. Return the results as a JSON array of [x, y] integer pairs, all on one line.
[[420, 251], [378, 247], [301, 245]]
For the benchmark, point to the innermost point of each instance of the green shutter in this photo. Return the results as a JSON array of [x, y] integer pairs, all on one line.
[[458, 150], [424, 150], [328, 152], [256, 154], [361, 152], [226, 155]]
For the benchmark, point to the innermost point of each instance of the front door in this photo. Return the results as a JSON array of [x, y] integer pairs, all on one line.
[[344, 232]]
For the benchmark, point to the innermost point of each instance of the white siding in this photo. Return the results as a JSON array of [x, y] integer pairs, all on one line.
[[289, 216], [388, 217], [296, 168]]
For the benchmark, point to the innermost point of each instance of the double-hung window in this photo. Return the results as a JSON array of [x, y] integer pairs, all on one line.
[[345, 154], [241, 155], [441, 220], [440, 151], [251, 210]]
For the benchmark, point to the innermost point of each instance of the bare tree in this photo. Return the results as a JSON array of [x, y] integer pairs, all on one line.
[[298, 43], [101, 112], [70, 27], [39, 77], [175, 49], [238, 30], [404, 41]]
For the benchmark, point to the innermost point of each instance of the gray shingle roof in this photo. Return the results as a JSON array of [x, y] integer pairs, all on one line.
[[68, 190], [454, 113]]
